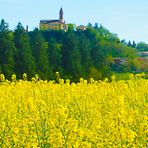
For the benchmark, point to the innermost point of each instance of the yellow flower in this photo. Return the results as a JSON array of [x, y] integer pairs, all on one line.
[[95, 114]]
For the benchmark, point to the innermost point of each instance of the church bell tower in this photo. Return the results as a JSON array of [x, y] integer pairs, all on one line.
[[61, 15]]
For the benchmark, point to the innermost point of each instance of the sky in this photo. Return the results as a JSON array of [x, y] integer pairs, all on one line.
[[127, 18]]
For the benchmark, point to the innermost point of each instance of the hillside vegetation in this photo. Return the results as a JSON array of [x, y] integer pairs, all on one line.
[[72, 53]]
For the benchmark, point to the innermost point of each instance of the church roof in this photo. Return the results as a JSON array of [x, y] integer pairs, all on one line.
[[50, 21]]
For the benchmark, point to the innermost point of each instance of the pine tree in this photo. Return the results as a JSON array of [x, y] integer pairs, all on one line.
[[7, 50], [25, 62], [39, 50], [71, 56], [55, 55], [85, 49]]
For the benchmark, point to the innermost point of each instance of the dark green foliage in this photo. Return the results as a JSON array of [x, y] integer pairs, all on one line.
[[39, 50], [71, 27], [25, 62], [71, 57], [55, 55], [142, 46], [4, 26], [71, 54], [7, 50], [85, 51]]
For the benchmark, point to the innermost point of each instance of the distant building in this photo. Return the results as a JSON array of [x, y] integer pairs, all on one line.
[[58, 24], [143, 58], [81, 27], [143, 55], [119, 61]]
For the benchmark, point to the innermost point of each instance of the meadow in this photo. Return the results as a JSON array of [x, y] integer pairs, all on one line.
[[98, 114]]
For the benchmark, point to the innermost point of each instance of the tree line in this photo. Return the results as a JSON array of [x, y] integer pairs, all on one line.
[[72, 53]]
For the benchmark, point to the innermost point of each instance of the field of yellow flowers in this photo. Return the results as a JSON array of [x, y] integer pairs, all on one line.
[[98, 114]]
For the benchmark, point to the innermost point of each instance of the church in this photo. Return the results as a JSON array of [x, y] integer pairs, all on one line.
[[58, 24]]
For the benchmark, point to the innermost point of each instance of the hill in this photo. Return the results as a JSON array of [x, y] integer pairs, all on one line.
[[93, 52]]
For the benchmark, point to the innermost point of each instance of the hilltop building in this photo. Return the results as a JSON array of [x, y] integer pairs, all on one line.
[[143, 55], [81, 27], [58, 24]]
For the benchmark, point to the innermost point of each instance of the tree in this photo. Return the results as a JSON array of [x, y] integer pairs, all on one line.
[[85, 49], [98, 56], [129, 44], [92, 34], [7, 50], [25, 62], [96, 26], [107, 35], [101, 57], [39, 50], [55, 55], [134, 44], [89, 25], [71, 57], [4, 27], [123, 41], [141, 46], [71, 27]]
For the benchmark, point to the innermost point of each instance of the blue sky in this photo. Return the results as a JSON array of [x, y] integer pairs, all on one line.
[[127, 18]]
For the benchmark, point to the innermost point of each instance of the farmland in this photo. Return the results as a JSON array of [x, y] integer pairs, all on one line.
[[100, 114]]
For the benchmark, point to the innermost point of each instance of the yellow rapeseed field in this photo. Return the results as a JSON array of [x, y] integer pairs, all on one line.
[[98, 114]]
